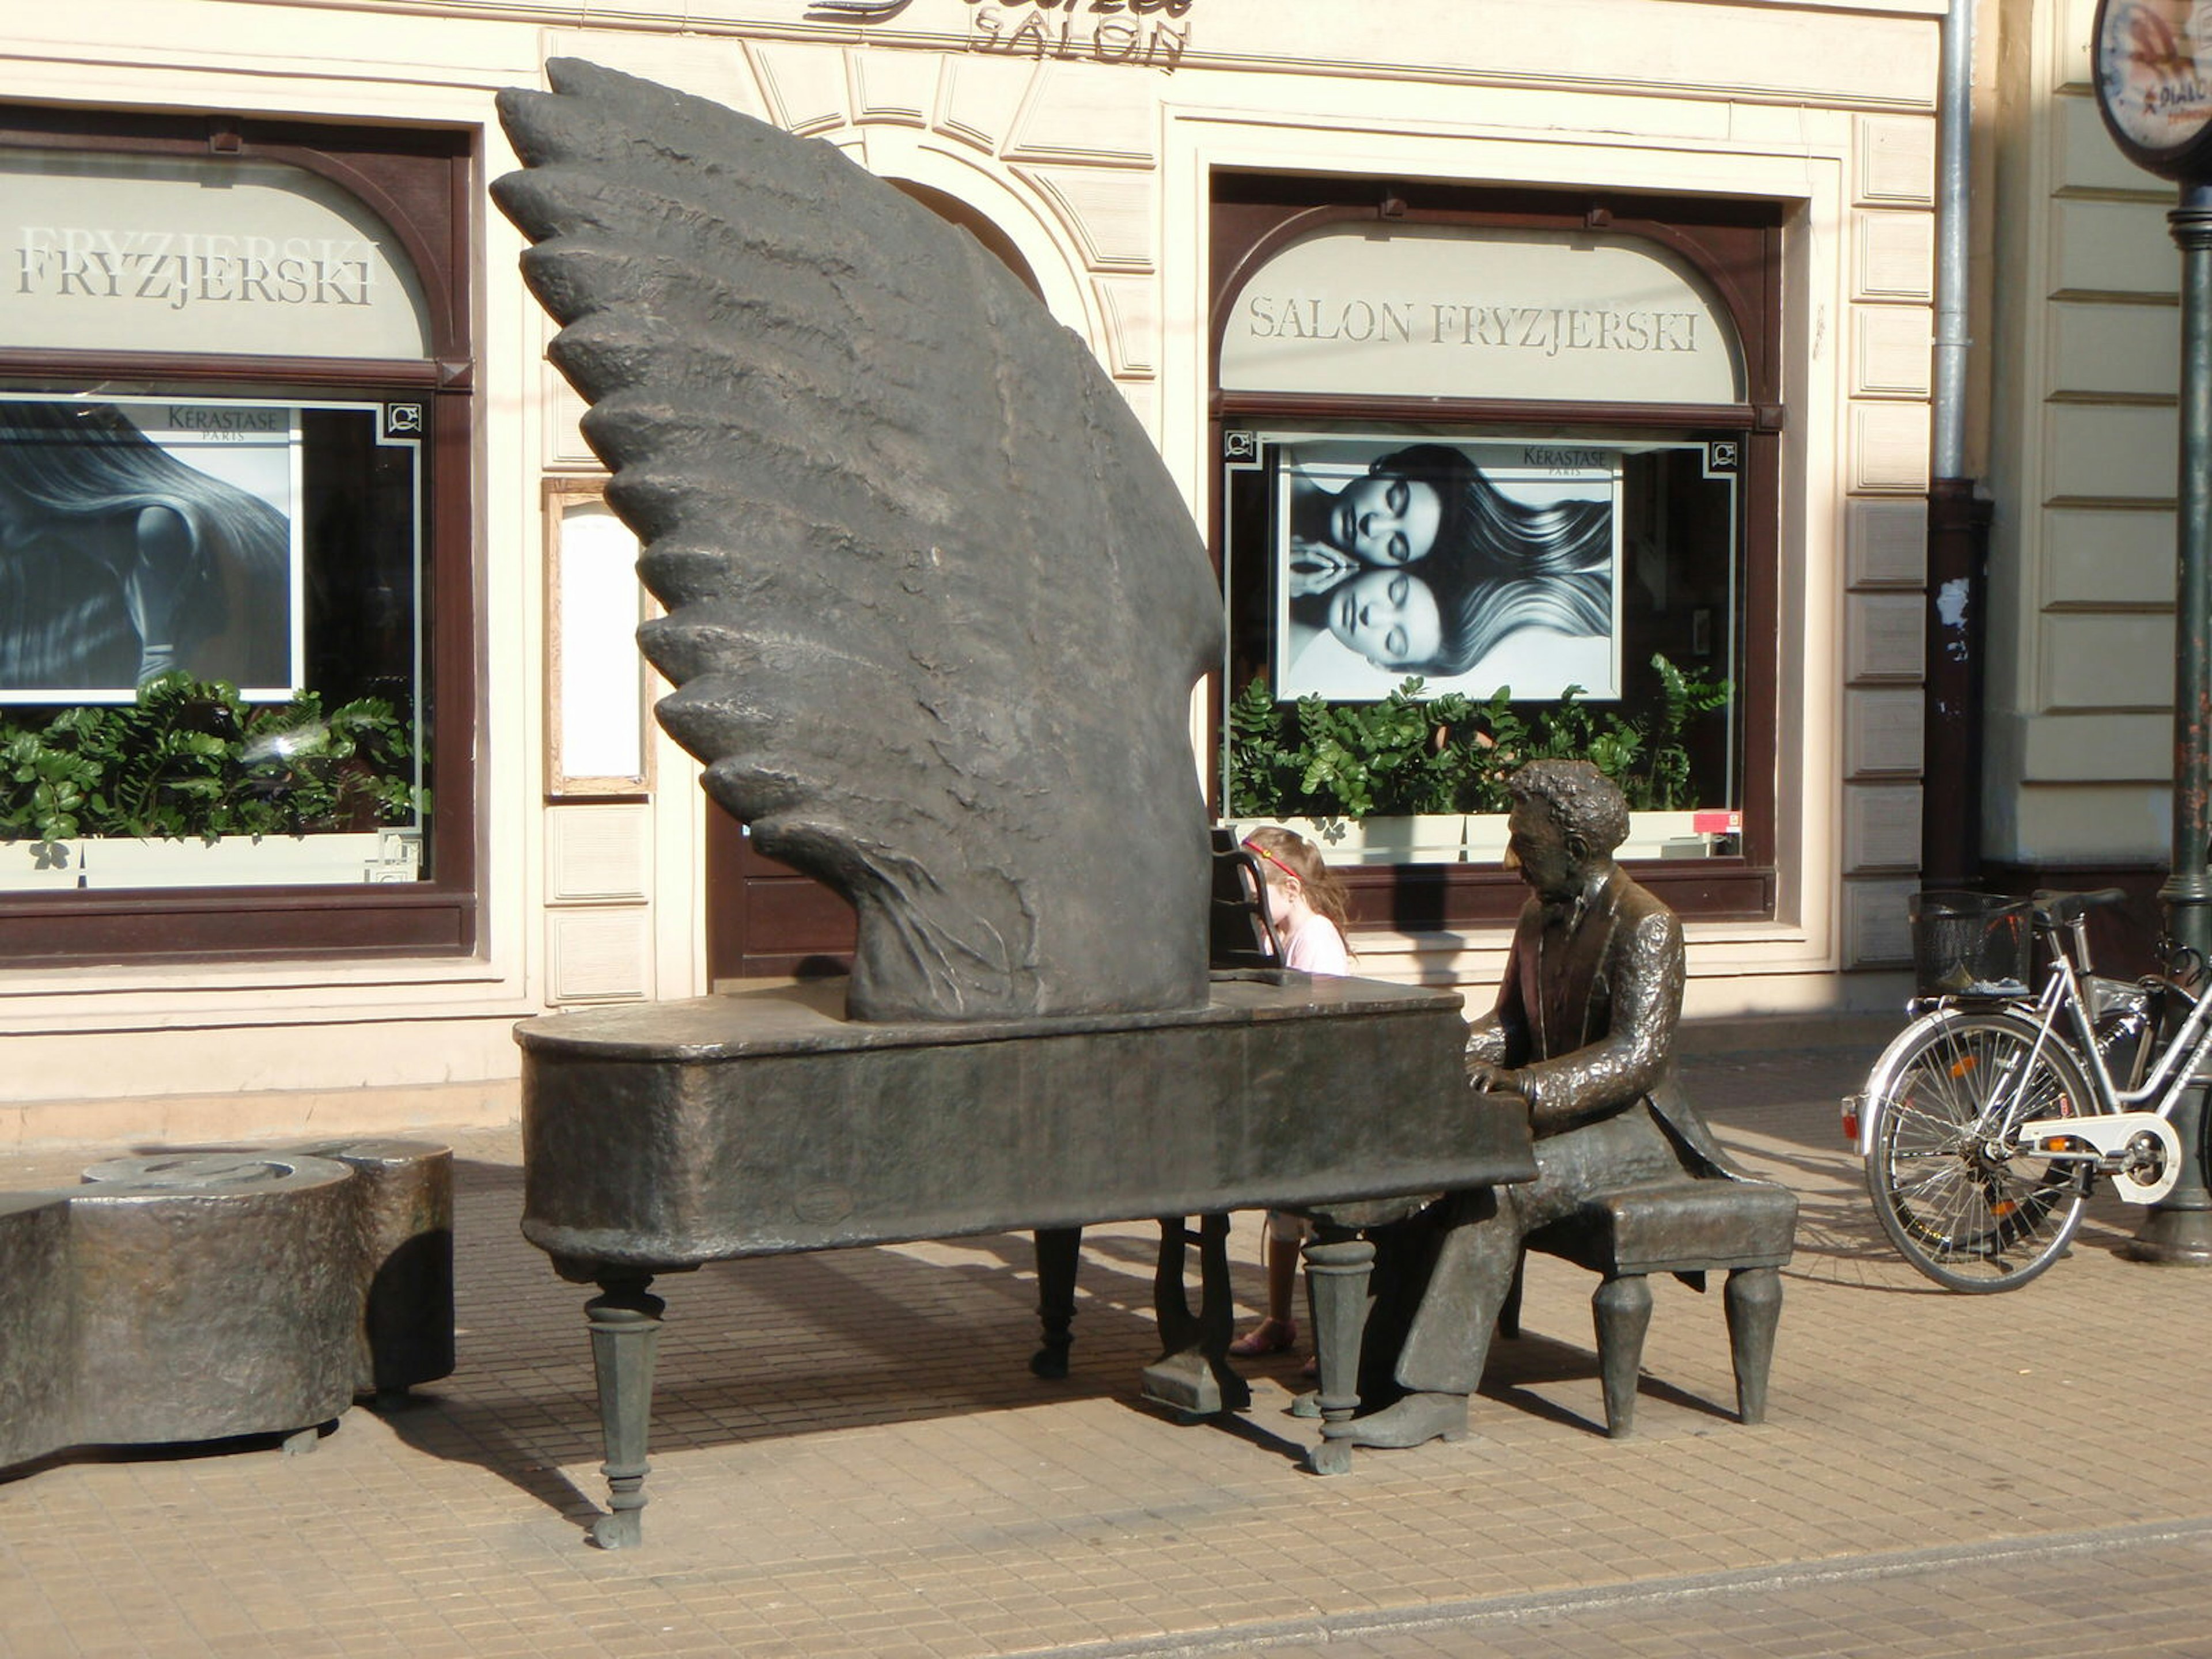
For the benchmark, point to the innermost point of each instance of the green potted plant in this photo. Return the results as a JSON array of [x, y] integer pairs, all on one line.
[[1344, 765], [190, 762], [1380, 778]]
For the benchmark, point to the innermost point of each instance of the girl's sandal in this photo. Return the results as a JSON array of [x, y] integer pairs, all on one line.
[[1268, 1336]]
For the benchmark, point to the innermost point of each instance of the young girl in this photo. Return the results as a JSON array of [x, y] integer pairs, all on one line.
[[1305, 901], [1306, 904]]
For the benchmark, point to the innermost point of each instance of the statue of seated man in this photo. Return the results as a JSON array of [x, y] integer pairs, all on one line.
[[1583, 1031]]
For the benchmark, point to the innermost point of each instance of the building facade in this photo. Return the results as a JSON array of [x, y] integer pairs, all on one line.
[[1658, 273], [2082, 446]]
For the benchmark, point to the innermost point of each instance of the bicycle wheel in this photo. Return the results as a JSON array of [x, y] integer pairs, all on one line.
[[1971, 1213]]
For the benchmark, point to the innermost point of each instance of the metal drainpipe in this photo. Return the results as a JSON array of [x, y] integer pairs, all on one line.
[[1958, 523], [1953, 126]]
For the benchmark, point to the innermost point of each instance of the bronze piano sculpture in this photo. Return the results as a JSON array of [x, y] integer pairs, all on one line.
[[656, 1139], [935, 608]]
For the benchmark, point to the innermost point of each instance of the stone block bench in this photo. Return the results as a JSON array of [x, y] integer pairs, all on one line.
[[201, 1295]]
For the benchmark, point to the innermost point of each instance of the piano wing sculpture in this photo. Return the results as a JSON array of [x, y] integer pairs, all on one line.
[[935, 610], [935, 605]]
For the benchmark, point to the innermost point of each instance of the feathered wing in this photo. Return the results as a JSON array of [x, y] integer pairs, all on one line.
[[935, 605]]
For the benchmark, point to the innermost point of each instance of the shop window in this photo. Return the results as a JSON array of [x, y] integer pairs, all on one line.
[[1497, 480], [234, 543]]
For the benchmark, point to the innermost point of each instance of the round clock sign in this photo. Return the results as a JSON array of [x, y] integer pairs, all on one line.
[[2155, 91]]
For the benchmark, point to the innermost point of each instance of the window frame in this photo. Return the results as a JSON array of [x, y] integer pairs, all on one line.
[[1736, 247], [421, 183]]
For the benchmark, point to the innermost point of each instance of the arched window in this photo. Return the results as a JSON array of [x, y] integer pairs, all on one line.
[[1524, 447], [235, 629]]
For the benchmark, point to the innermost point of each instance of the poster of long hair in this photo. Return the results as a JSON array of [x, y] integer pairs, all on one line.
[[144, 537], [1476, 566]]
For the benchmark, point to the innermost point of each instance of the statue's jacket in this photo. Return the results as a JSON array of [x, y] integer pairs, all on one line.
[[1587, 1013]]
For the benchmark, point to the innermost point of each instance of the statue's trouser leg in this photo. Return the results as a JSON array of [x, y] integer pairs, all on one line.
[[1058, 1249], [625, 1333], [1471, 1280], [1753, 1299], [1447, 1343]]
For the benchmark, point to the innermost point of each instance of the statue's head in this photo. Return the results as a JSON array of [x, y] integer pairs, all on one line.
[[1568, 818]]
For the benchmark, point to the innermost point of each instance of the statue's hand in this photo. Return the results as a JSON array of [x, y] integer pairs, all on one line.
[[1493, 1079]]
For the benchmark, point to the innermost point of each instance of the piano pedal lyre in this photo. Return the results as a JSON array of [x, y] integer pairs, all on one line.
[[1192, 1378]]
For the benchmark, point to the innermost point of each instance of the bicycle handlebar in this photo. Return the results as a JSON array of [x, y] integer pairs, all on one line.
[[2059, 909]]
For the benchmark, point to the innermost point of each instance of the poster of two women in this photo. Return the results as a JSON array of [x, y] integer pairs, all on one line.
[[1474, 565]]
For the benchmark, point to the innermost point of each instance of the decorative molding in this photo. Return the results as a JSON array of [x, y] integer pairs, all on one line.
[[1885, 637], [1131, 308], [1885, 733], [706, 66], [804, 88], [1896, 256], [891, 86], [1881, 827], [597, 852], [1877, 926], [2118, 350], [599, 955], [1109, 212], [979, 99], [1087, 117], [1889, 449], [1886, 542], [1896, 160], [1895, 350]]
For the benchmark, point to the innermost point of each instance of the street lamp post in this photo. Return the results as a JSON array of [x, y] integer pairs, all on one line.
[[2178, 1228], [2157, 105]]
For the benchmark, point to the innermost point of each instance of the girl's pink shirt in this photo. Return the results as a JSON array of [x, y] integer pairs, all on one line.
[[1315, 947]]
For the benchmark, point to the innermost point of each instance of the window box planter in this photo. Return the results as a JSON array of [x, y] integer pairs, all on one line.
[[1699, 834], [1422, 838], [348, 858], [1451, 838]]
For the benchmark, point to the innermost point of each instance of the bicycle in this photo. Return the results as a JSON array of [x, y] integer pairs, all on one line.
[[1987, 1120]]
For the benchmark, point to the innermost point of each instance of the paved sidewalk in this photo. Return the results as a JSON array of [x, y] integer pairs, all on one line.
[[850, 1458]]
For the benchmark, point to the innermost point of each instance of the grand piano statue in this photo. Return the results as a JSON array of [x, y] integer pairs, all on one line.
[[934, 611]]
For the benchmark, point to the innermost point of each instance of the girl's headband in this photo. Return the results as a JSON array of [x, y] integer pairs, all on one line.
[[1258, 851]]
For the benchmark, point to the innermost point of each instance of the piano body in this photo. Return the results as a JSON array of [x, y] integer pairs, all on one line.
[[658, 1138]]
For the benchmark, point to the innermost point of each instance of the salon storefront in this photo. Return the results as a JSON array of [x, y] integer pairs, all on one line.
[[1577, 367]]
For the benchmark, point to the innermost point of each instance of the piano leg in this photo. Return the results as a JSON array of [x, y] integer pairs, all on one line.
[[1339, 1266], [625, 1333], [1192, 1377], [1058, 1249]]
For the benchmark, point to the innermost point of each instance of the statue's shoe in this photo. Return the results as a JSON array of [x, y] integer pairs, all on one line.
[[1412, 1421]]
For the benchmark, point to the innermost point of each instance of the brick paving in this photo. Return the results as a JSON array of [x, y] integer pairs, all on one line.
[[850, 1458]]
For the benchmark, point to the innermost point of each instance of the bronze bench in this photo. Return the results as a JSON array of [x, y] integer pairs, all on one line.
[[1689, 1227]]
